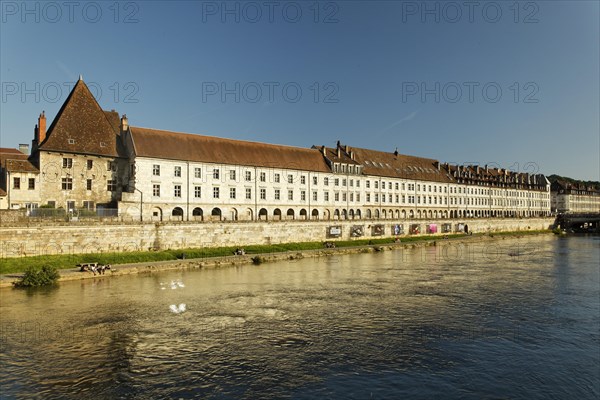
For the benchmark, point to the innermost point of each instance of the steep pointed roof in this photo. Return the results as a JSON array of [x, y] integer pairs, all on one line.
[[81, 126]]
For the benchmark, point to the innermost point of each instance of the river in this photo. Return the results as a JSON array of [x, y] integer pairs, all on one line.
[[516, 318]]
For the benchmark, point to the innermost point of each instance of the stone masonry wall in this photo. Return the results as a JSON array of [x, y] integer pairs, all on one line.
[[78, 239]]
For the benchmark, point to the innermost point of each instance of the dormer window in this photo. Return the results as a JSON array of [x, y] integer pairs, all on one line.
[[71, 141]]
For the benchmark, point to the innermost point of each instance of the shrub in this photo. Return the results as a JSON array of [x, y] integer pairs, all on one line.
[[257, 260], [47, 275]]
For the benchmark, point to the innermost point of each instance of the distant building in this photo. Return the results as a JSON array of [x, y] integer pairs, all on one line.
[[92, 159], [574, 197]]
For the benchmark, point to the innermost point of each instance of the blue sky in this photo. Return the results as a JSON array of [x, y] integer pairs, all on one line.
[[515, 84]]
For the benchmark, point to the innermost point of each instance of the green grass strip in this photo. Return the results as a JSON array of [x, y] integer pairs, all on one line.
[[67, 261]]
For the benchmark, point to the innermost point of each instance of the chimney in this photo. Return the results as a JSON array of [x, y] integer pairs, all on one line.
[[24, 148], [339, 153], [437, 165], [486, 168], [351, 155], [323, 150], [40, 129], [124, 123], [347, 149], [396, 152]]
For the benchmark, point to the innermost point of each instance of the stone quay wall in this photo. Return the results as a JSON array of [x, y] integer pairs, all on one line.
[[78, 238]]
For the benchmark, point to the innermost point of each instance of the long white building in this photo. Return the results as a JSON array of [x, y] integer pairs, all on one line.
[[90, 158]]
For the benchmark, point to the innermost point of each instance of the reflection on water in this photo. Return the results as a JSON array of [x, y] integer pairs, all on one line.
[[517, 318]]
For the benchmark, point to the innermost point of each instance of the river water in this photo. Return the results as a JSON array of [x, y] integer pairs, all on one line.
[[509, 319]]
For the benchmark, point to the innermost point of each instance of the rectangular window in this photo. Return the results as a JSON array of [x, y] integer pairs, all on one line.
[[368, 197], [263, 177], [111, 166], [67, 162], [70, 205], [390, 198], [368, 184], [90, 164], [351, 196], [344, 182], [376, 184], [397, 186], [198, 172], [336, 182], [232, 174], [111, 185], [248, 194], [277, 178], [197, 191], [315, 180], [326, 196], [351, 182], [31, 185], [290, 179], [403, 199], [336, 196], [343, 196], [382, 197], [357, 197], [290, 195], [263, 194], [277, 194], [326, 181], [216, 193], [215, 173], [88, 205], [177, 171], [88, 184], [156, 190], [382, 185], [302, 195], [156, 170], [376, 198], [177, 191], [397, 199], [67, 184], [232, 193], [315, 196], [303, 180], [248, 176], [16, 183], [358, 183]]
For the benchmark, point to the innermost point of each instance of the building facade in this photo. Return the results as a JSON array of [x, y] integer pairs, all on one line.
[[93, 159], [574, 198]]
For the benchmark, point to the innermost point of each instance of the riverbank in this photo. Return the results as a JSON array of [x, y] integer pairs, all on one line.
[[218, 257]]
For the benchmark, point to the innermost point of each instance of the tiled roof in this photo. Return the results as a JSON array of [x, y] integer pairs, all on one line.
[[14, 161], [332, 155], [188, 147], [397, 165], [81, 126], [8, 150], [569, 186], [494, 176]]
